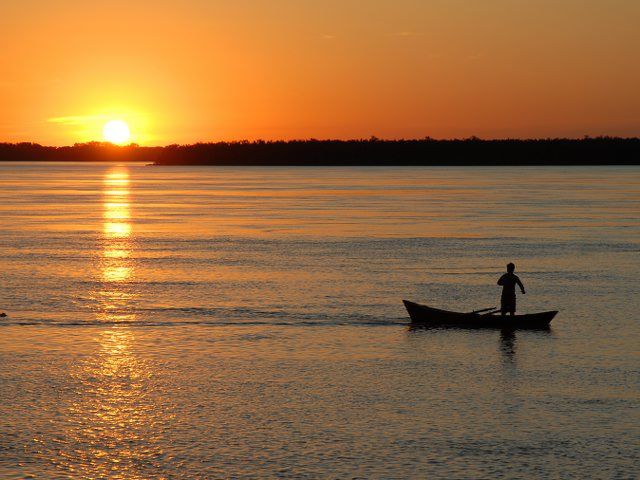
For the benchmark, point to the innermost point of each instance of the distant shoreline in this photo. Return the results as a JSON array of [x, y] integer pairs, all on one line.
[[370, 152]]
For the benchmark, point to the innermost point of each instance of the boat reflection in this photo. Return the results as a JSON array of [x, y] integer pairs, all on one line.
[[508, 346]]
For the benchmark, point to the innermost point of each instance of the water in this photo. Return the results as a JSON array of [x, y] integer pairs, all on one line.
[[170, 322]]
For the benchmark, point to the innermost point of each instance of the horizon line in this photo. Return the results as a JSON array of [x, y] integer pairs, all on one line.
[[372, 138]]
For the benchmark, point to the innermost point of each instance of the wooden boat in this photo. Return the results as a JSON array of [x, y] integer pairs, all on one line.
[[427, 316]]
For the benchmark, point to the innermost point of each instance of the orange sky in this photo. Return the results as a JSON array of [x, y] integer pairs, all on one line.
[[196, 70]]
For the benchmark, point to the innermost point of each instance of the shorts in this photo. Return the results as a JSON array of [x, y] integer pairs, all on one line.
[[508, 304]]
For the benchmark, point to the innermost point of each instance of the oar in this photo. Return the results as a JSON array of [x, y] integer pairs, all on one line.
[[491, 313], [483, 310]]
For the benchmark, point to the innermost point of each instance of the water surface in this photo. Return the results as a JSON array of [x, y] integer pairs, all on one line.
[[200, 322]]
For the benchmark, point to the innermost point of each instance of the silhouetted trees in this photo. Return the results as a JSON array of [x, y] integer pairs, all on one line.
[[373, 151], [80, 152]]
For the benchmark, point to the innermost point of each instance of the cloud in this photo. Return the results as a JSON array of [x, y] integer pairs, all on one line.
[[405, 34], [29, 84], [329, 37], [77, 119]]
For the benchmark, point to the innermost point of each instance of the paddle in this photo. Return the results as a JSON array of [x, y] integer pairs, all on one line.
[[491, 313], [483, 310]]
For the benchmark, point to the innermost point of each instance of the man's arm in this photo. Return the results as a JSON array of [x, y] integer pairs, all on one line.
[[520, 285]]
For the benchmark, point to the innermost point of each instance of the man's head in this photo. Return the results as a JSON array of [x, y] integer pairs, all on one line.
[[510, 267]]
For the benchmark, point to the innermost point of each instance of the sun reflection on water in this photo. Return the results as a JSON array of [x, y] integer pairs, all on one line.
[[112, 423], [116, 263], [111, 419]]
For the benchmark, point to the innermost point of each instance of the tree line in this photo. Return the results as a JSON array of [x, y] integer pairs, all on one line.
[[372, 151]]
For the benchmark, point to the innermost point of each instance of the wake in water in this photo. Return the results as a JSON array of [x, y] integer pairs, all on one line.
[[202, 316]]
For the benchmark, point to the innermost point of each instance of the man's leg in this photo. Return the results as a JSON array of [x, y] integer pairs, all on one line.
[[512, 305]]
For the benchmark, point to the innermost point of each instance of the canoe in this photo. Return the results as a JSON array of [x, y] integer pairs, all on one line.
[[428, 316]]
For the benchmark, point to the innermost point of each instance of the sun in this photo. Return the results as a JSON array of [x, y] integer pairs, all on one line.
[[116, 131]]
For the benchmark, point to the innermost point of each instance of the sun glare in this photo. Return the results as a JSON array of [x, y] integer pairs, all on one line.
[[116, 131]]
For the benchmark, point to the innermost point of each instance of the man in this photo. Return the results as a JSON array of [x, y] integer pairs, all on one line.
[[509, 282]]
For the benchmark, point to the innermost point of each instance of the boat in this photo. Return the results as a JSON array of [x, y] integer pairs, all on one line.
[[422, 315]]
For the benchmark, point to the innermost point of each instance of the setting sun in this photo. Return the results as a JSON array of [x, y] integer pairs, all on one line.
[[116, 131]]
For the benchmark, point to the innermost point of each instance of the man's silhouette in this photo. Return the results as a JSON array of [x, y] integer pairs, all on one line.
[[509, 281]]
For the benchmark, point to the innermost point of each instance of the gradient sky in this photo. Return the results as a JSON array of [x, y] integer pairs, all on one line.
[[195, 70]]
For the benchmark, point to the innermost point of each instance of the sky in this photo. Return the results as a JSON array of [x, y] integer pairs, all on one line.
[[195, 70]]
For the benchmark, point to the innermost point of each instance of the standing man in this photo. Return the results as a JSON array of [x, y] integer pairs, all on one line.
[[508, 281]]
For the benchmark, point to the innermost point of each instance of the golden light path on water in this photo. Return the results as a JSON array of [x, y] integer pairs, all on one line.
[[111, 419], [116, 264]]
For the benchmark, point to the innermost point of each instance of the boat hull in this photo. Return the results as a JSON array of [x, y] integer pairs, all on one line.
[[427, 316]]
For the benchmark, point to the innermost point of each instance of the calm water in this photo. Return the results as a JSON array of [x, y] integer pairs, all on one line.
[[171, 322]]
